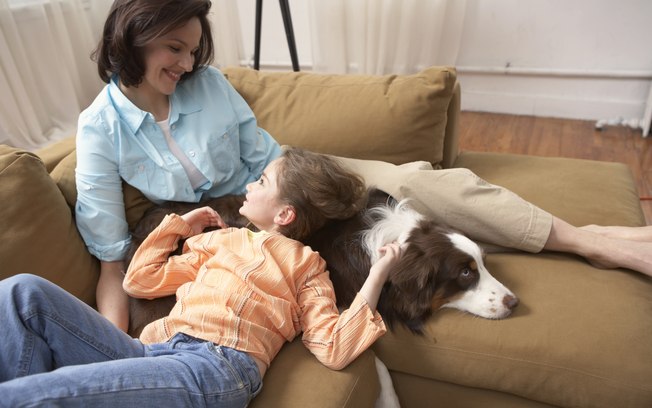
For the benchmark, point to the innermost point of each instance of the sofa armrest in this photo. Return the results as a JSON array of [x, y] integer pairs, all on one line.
[[38, 231], [452, 133]]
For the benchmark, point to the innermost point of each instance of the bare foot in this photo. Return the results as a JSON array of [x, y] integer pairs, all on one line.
[[605, 247], [620, 253], [643, 234]]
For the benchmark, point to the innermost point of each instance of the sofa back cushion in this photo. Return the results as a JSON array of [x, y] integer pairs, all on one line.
[[394, 118], [38, 231]]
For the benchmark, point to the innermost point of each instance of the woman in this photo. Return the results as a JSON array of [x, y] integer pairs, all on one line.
[[166, 124], [175, 129], [241, 296]]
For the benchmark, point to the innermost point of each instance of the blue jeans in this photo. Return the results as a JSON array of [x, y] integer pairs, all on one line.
[[57, 351]]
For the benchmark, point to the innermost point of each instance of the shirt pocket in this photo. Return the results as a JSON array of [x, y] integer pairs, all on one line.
[[225, 150], [146, 177]]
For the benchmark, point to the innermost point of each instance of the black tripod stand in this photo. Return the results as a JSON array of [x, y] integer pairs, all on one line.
[[289, 33]]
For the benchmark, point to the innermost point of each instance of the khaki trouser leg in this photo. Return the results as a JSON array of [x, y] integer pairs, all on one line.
[[460, 199]]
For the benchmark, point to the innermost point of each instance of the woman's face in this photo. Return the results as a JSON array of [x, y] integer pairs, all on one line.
[[262, 204], [170, 56]]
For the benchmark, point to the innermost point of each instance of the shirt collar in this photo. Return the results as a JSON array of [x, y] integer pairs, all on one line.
[[130, 113], [183, 103]]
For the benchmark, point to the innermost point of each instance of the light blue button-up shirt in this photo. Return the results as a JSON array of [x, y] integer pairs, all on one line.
[[116, 140]]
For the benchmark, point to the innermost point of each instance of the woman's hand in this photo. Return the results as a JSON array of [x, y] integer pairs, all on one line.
[[202, 218]]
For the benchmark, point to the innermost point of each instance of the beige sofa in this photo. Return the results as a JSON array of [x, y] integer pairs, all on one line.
[[581, 337]]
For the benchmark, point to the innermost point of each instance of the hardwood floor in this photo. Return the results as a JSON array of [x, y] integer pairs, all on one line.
[[492, 132]]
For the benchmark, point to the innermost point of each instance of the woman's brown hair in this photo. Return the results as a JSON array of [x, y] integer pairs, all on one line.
[[132, 24], [319, 188]]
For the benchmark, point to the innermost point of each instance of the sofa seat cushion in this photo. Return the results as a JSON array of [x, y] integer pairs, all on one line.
[[297, 380], [38, 231], [580, 336], [394, 118], [417, 391]]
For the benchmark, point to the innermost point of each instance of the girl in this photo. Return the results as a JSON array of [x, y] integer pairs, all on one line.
[[240, 296]]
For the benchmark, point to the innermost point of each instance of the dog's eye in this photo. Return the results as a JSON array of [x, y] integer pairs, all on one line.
[[466, 277]]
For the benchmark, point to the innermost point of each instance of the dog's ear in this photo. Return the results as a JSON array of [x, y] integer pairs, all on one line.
[[412, 286], [410, 271]]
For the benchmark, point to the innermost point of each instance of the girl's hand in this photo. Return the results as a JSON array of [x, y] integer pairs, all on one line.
[[379, 272], [202, 218], [389, 256]]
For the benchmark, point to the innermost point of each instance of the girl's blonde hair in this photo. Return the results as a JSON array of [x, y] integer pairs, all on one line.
[[319, 189]]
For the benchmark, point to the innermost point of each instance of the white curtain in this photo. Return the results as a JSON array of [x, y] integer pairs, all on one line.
[[227, 33], [46, 75], [385, 36]]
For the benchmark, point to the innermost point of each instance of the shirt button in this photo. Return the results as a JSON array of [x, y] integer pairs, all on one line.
[[173, 127], [141, 168], [191, 153]]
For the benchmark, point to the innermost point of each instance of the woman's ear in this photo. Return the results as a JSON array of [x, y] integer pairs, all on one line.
[[285, 216]]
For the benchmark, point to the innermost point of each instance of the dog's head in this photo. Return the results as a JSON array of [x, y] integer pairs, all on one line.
[[442, 268]]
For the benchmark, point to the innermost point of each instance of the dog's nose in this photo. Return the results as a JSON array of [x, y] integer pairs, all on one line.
[[510, 301]]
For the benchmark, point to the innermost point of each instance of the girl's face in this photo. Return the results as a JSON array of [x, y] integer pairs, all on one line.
[[262, 205], [170, 56]]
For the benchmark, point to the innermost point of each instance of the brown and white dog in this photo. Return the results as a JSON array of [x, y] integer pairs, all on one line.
[[440, 267]]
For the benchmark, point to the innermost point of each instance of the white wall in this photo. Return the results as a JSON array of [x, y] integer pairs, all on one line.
[[585, 59], [274, 52]]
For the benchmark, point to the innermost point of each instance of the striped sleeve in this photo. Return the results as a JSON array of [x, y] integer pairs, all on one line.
[[151, 273], [336, 339]]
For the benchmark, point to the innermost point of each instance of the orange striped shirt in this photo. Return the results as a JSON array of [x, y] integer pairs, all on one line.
[[248, 291]]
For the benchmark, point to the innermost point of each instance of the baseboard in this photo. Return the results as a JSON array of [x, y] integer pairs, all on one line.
[[563, 97], [550, 106]]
